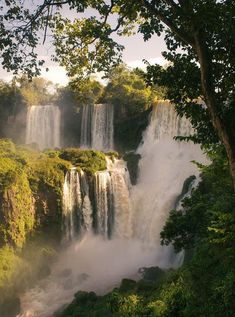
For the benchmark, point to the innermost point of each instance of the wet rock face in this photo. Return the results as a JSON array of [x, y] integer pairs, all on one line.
[[48, 208], [17, 214]]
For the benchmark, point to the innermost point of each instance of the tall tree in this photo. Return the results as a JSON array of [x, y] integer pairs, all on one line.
[[199, 33]]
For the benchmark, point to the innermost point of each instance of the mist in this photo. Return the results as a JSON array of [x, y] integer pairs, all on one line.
[[92, 264]]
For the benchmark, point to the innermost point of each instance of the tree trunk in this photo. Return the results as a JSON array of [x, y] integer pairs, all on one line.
[[226, 137]]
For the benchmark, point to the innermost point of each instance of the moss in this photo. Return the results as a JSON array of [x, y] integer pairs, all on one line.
[[17, 212], [9, 170], [7, 147], [89, 161], [48, 171]]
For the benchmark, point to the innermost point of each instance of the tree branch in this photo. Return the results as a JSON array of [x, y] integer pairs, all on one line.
[[187, 39]]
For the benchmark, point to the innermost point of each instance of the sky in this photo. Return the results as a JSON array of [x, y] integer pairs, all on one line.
[[135, 51]]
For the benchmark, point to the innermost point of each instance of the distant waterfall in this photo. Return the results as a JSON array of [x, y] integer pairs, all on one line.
[[164, 165], [97, 127], [43, 126], [77, 211], [109, 215]]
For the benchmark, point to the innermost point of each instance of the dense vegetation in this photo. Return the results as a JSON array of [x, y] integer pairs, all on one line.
[[31, 185], [205, 284]]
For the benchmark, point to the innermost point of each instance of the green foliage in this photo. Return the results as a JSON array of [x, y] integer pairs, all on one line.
[[76, 46], [18, 212], [10, 101], [6, 147], [88, 91], [89, 161], [127, 90], [35, 91]]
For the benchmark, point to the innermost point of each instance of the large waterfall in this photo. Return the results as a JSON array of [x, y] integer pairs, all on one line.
[[109, 214], [118, 224], [43, 126], [97, 127], [164, 165]]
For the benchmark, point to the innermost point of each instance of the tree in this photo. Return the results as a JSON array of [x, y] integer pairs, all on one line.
[[127, 91], [199, 33], [35, 91]]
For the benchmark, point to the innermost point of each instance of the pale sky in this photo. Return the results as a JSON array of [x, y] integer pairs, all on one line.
[[135, 51]]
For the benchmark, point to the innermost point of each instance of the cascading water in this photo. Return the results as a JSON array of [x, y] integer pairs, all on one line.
[[77, 211], [43, 126], [97, 127], [86, 126], [131, 217], [109, 215], [112, 197], [120, 181], [103, 203], [165, 164]]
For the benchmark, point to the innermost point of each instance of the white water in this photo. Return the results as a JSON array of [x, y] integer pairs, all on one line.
[[97, 127], [134, 223], [121, 199], [93, 264], [111, 211], [43, 126], [164, 166], [112, 198], [77, 211]]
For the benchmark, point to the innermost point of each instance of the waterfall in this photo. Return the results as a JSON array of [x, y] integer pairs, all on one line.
[[97, 127], [109, 215], [76, 205], [43, 126], [122, 223], [112, 196], [86, 123], [103, 203], [121, 198], [164, 165]]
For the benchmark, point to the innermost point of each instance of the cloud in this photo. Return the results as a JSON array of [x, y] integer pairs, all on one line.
[[140, 64]]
